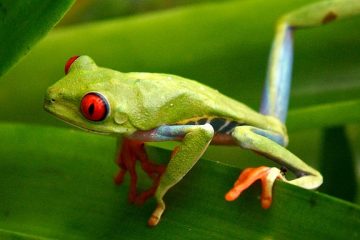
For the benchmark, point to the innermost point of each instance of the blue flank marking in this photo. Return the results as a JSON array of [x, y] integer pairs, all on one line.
[[277, 105], [168, 133], [217, 123]]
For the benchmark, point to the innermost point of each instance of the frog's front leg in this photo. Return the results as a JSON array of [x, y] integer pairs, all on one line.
[[195, 140], [266, 143]]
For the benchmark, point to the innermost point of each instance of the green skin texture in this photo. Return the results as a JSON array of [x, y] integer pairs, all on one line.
[[141, 102], [135, 102], [136, 106]]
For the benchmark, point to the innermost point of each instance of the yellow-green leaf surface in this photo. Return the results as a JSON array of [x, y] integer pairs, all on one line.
[[57, 182], [51, 190], [23, 23]]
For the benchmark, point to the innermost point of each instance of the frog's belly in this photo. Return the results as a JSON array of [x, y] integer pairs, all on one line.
[[223, 139]]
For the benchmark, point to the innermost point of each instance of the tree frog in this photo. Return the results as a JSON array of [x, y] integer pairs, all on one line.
[[146, 107]]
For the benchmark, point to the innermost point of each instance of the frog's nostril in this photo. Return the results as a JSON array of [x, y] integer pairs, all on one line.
[[51, 96], [49, 99]]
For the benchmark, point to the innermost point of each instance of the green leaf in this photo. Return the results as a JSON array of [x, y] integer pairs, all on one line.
[[324, 115], [56, 183], [92, 10], [51, 189], [336, 148], [23, 23]]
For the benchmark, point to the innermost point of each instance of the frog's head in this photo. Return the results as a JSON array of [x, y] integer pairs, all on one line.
[[87, 98]]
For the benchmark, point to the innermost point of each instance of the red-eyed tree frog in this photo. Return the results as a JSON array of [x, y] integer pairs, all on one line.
[[152, 107]]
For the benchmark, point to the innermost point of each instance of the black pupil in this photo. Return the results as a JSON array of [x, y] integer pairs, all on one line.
[[91, 109]]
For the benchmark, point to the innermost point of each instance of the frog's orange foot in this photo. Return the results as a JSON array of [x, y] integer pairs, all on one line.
[[267, 176], [132, 151]]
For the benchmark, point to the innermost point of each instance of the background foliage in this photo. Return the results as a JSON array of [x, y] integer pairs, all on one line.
[[55, 181]]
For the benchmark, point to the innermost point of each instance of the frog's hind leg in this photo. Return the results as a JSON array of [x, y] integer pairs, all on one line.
[[263, 142], [277, 86], [130, 152]]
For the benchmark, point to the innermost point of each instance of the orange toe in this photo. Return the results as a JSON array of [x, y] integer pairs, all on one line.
[[245, 180], [267, 176]]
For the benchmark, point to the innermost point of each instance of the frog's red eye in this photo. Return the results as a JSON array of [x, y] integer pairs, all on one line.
[[94, 107], [69, 62]]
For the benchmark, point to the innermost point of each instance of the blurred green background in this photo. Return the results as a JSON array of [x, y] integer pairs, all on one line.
[[56, 181]]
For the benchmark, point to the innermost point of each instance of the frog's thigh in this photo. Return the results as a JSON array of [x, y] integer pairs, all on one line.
[[196, 140], [248, 137]]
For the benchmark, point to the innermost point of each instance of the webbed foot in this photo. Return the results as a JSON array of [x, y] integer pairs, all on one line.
[[132, 150], [267, 176]]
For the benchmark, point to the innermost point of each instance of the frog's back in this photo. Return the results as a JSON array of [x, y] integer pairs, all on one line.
[[185, 101]]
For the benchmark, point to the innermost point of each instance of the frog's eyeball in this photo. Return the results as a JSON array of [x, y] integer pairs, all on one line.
[[94, 107], [69, 62]]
